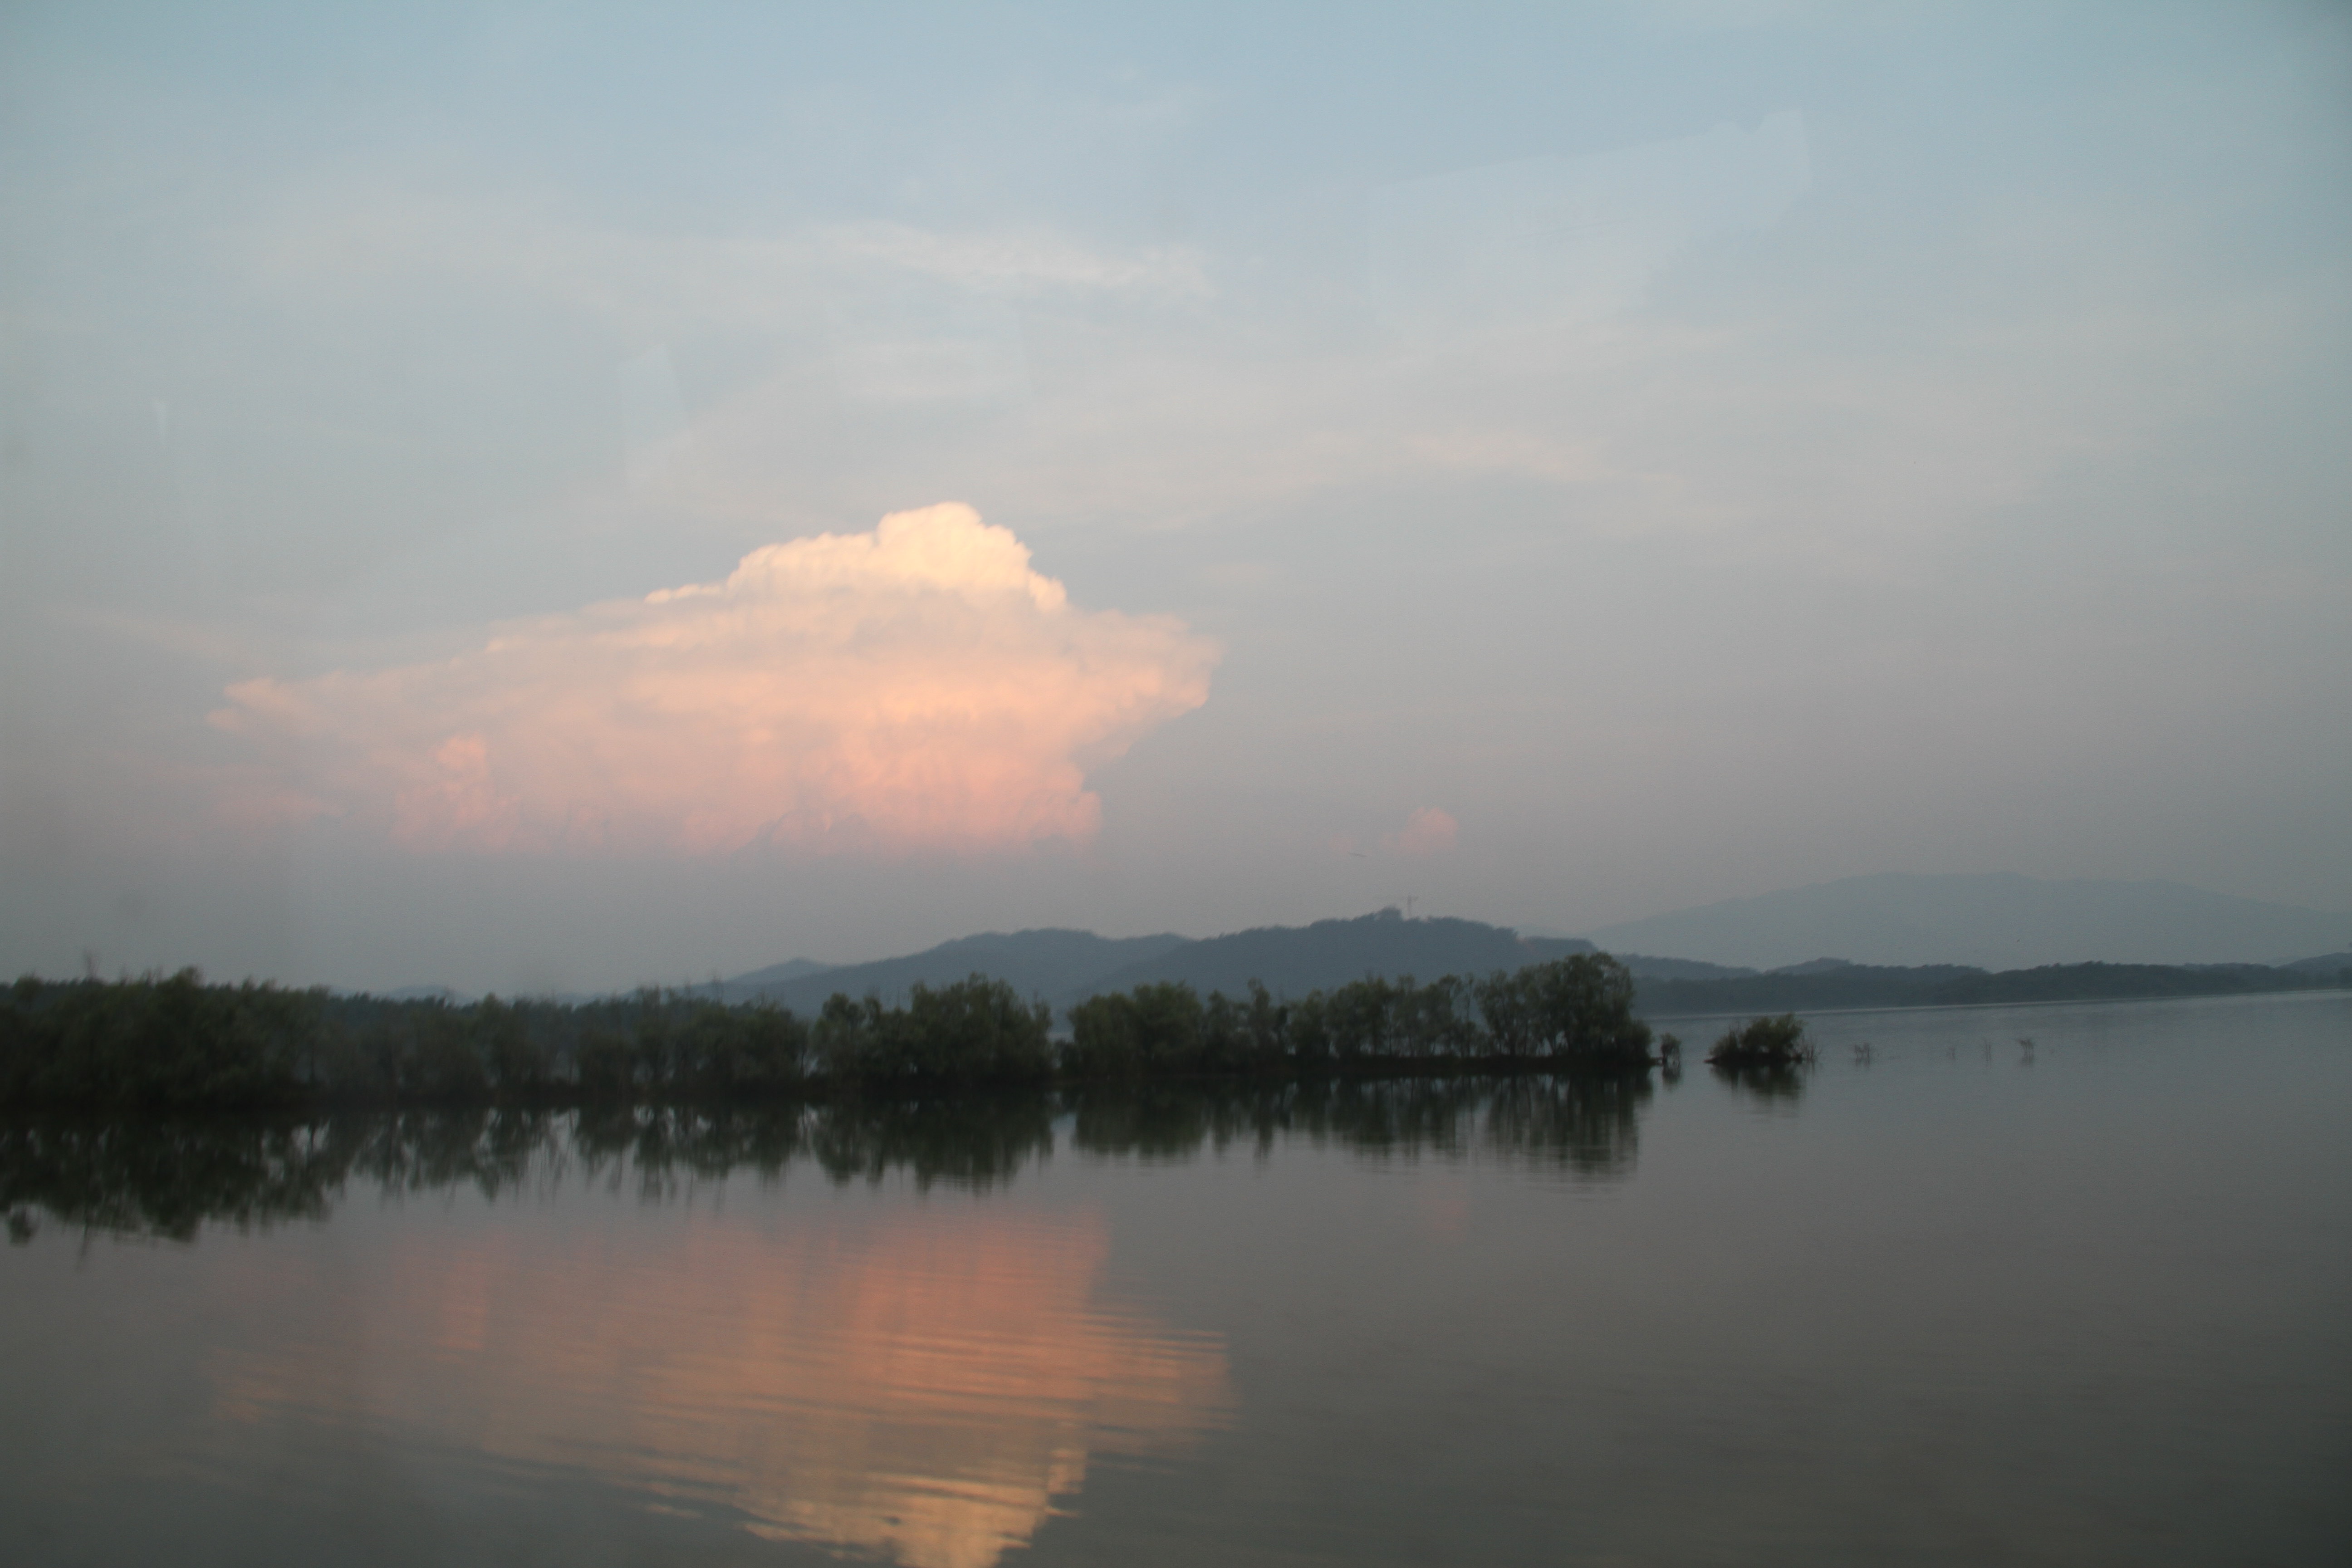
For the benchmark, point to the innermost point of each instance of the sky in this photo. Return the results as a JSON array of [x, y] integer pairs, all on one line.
[[548, 497]]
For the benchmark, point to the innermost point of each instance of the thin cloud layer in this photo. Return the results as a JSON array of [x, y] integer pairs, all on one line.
[[1553, 239], [917, 686]]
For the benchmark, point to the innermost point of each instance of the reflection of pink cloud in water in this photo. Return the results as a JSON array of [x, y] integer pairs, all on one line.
[[925, 1392], [916, 687]]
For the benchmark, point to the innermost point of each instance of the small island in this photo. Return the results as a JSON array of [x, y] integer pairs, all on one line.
[[1774, 1042]]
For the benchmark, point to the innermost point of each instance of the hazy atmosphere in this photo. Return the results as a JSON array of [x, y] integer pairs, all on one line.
[[543, 498]]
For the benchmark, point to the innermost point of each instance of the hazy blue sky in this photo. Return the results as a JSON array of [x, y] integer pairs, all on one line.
[[1560, 463]]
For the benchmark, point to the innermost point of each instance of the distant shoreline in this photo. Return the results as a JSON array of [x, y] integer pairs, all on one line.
[[2329, 989], [1863, 988]]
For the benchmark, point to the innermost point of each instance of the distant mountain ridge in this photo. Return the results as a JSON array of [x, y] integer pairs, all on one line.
[[1290, 961], [1067, 966], [1906, 938], [1999, 922], [1647, 967], [782, 974], [1052, 962]]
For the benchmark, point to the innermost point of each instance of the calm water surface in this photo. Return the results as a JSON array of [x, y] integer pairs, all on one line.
[[1962, 1301]]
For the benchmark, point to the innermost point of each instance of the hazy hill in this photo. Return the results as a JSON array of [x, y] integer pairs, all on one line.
[[1910, 939], [1067, 966], [1644, 967], [757, 982], [1819, 983], [1997, 921], [1049, 963], [1294, 960]]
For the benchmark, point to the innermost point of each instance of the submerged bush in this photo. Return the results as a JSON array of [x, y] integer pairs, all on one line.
[[1763, 1042]]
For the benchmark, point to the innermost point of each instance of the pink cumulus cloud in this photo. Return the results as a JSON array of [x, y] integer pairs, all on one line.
[[1429, 831], [918, 686]]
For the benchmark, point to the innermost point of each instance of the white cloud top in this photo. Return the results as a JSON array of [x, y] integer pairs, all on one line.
[[917, 686]]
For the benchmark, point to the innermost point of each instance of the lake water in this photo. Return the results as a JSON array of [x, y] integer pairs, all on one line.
[[1961, 1300]]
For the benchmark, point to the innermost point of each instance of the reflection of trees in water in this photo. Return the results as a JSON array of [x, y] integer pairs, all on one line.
[[664, 1143], [1776, 1084], [973, 1142], [1413, 1116], [168, 1177], [1584, 1122], [1588, 1125], [491, 1150]]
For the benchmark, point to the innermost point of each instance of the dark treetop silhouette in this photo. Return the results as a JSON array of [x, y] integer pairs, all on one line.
[[175, 1042]]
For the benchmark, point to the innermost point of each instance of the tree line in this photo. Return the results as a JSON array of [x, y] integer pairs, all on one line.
[[162, 1042]]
